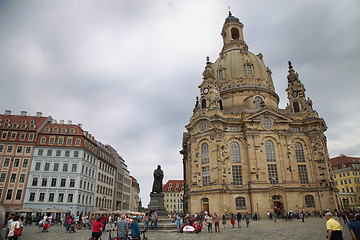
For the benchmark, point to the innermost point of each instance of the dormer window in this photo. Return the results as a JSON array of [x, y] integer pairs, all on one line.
[[249, 70]]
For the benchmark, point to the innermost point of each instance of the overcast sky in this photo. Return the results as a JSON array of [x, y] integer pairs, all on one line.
[[129, 70]]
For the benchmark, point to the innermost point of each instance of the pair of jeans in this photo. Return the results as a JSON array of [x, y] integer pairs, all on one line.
[[155, 224], [146, 224]]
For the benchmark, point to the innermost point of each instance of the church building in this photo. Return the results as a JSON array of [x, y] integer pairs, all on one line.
[[241, 152]]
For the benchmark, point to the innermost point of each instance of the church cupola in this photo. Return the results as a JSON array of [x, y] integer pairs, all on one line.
[[232, 34], [296, 93]]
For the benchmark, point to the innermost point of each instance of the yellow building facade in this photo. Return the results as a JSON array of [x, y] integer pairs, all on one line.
[[173, 199], [346, 173], [241, 152]]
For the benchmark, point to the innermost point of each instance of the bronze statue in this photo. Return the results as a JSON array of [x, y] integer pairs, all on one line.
[[158, 177]]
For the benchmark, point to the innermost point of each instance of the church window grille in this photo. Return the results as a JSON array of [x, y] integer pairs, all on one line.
[[309, 201], [267, 123], [204, 153], [206, 176], [240, 203], [296, 106], [249, 70], [273, 173], [237, 175], [270, 151], [221, 75], [258, 102], [235, 152], [299, 152], [202, 127], [295, 130], [303, 174], [233, 129]]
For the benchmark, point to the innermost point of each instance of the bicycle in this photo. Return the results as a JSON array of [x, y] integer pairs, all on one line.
[[110, 237], [111, 230], [144, 237]]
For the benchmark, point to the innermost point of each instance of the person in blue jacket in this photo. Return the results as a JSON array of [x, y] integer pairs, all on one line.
[[135, 231]]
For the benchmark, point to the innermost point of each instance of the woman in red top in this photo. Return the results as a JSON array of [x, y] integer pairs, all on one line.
[[97, 225]]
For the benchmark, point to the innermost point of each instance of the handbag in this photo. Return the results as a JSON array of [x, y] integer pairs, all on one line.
[[17, 232]]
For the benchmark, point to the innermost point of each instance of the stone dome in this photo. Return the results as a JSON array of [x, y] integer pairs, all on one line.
[[241, 76]]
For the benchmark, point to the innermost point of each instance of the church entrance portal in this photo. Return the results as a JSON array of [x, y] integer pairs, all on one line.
[[205, 204], [277, 202]]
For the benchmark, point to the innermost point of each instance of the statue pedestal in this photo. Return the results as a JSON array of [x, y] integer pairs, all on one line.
[[157, 204]]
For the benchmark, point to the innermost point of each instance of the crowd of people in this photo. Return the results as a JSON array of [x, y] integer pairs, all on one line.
[[126, 225]]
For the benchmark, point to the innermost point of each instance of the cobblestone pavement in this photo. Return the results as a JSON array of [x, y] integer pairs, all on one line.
[[311, 229]]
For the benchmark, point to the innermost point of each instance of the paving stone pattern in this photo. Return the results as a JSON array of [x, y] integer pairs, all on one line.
[[311, 229]]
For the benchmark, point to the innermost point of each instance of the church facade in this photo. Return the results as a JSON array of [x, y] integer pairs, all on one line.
[[241, 152]]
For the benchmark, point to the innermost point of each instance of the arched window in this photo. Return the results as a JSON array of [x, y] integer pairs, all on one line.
[[249, 70], [296, 106], [221, 75], [203, 103], [309, 201], [270, 151], [221, 105], [235, 152], [204, 153], [240, 203], [235, 33], [299, 152], [258, 102]]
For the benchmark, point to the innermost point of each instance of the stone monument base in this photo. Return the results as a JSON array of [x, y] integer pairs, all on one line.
[[157, 204]]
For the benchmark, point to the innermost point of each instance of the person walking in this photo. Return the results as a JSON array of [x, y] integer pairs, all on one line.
[[9, 221], [97, 226], [354, 227], [135, 230], [178, 222], [334, 229], [146, 221], [209, 222], [224, 220], [14, 225], [104, 221], [247, 220], [156, 220], [122, 229], [238, 216], [217, 222], [232, 220]]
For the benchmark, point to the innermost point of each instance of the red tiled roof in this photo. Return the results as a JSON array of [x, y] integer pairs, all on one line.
[[78, 130], [342, 159], [167, 188], [29, 120]]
